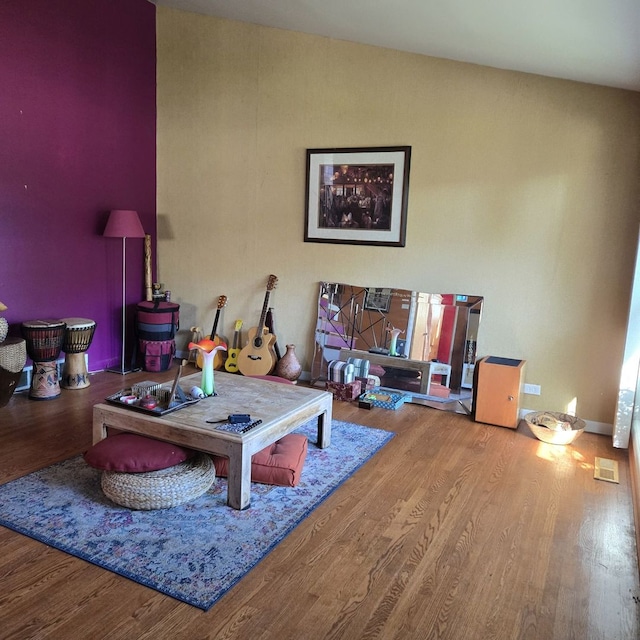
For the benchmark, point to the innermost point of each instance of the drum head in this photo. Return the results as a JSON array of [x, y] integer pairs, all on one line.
[[78, 323], [43, 324]]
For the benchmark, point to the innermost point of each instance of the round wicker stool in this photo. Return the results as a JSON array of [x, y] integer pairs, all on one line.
[[161, 489]]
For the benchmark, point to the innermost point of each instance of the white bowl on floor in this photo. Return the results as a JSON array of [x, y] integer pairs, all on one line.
[[555, 428]]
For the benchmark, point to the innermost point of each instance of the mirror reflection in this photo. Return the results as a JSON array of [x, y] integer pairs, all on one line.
[[399, 331]]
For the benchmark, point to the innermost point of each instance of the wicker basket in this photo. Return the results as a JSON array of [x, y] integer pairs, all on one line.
[[13, 354], [161, 489], [555, 428], [4, 328]]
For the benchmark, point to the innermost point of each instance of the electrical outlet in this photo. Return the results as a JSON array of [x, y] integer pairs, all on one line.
[[532, 389]]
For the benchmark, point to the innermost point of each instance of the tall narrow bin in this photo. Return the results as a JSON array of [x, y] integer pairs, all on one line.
[[497, 391]]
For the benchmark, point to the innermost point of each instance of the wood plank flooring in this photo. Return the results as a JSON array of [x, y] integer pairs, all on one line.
[[454, 530]]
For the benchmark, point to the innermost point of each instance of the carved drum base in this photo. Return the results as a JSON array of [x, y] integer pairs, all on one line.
[[45, 384]]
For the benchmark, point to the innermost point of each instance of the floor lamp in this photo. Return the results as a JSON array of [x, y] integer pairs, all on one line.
[[123, 224]]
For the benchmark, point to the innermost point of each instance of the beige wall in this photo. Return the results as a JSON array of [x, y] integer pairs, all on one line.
[[523, 189]]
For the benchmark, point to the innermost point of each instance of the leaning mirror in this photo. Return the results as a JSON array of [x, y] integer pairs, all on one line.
[[424, 343]]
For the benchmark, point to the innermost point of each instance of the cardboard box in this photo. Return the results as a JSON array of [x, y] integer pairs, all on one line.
[[346, 391]]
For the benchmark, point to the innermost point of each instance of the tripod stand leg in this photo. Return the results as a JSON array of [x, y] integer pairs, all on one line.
[[269, 322]]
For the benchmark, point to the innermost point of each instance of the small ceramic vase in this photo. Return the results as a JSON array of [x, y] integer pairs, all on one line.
[[288, 366]]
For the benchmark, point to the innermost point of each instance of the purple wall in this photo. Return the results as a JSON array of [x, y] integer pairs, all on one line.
[[77, 138]]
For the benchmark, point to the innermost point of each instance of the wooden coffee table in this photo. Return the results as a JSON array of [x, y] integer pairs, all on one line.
[[281, 407]]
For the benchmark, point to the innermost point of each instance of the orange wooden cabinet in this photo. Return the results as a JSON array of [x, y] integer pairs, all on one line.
[[497, 390]]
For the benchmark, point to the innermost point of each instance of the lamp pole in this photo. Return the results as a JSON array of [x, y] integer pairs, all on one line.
[[123, 224]]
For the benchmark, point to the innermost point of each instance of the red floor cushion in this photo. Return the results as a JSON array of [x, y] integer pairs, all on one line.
[[131, 453], [280, 463]]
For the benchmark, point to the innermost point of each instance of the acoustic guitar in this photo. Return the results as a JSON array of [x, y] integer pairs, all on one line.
[[218, 359], [231, 363], [258, 357]]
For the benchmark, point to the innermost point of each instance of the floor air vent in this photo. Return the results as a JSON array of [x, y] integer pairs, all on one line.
[[607, 470]]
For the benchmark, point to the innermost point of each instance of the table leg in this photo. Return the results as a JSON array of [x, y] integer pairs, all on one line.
[[239, 478], [425, 379], [324, 428], [99, 426]]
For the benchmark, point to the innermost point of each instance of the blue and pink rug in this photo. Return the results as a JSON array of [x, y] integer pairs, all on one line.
[[194, 552]]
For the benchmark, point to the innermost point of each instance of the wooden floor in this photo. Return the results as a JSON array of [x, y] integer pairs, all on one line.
[[454, 530]]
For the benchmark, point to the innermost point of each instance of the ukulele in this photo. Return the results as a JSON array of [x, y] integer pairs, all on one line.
[[218, 359], [231, 363], [258, 357]]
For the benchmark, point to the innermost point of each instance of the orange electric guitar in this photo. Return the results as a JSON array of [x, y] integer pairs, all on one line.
[[218, 359], [231, 363], [258, 357]]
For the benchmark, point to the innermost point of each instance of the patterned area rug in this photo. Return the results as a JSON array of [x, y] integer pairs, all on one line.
[[194, 552]]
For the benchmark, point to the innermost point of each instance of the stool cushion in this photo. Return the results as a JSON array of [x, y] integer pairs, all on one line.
[[131, 453], [280, 463]]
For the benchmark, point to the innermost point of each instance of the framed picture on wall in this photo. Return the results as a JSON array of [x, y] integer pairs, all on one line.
[[357, 195], [376, 299]]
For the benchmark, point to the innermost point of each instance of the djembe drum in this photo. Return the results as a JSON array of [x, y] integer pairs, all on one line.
[[77, 339], [44, 342]]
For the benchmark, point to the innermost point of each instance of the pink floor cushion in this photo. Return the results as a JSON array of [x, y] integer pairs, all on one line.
[[376, 370], [439, 390], [280, 463], [131, 453]]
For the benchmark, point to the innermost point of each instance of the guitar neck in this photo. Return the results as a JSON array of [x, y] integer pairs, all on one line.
[[215, 324], [222, 301], [263, 315]]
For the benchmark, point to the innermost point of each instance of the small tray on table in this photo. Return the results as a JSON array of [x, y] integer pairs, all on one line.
[[163, 395]]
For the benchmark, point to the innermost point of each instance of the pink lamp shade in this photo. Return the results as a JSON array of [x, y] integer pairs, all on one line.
[[123, 223]]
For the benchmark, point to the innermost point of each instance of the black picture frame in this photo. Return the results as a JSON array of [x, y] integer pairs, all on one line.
[[357, 195]]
